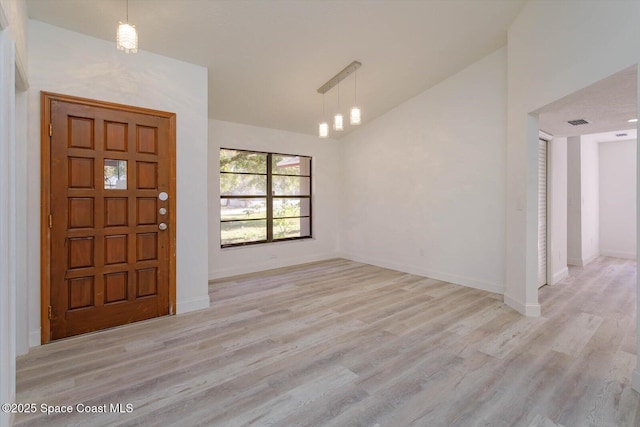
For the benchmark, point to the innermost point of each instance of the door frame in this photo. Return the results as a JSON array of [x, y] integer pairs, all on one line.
[[544, 136], [45, 196]]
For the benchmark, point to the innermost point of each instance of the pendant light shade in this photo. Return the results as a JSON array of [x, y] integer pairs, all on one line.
[[323, 127], [338, 122], [355, 118], [127, 36], [323, 130]]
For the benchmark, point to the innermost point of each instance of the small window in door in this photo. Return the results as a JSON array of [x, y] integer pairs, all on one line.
[[115, 174]]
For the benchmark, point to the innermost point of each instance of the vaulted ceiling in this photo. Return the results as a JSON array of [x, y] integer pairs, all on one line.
[[266, 58]]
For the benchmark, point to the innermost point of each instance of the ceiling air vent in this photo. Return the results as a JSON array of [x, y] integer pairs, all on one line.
[[578, 122], [619, 135]]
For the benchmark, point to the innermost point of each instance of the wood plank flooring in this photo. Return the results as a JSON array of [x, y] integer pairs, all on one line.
[[340, 343]]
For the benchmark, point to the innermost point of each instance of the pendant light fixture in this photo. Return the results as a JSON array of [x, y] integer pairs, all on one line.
[[338, 119], [323, 128], [338, 122], [355, 116], [127, 36]]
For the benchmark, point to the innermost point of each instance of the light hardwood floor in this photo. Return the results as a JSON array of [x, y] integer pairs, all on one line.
[[340, 343]]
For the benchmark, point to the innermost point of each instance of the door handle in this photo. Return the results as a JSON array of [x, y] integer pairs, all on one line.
[[162, 226]]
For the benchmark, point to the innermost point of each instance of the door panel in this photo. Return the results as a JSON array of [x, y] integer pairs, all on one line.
[[110, 263]]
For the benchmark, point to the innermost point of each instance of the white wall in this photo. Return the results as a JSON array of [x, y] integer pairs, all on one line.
[[326, 188], [7, 237], [547, 61], [424, 183], [574, 201], [590, 199], [618, 199], [557, 210], [12, 188], [583, 206], [95, 69]]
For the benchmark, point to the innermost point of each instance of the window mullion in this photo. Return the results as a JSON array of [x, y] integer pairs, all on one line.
[[269, 199]]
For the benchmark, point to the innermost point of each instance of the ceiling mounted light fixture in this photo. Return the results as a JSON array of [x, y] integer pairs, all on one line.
[[127, 36], [338, 120], [632, 120]]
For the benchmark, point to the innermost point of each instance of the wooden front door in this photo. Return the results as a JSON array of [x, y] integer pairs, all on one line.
[[108, 215]]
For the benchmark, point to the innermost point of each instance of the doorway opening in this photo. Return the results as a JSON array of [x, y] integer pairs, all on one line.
[[591, 175]]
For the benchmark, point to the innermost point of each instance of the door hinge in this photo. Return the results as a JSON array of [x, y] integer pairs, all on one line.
[[50, 129], [49, 313], [50, 221]]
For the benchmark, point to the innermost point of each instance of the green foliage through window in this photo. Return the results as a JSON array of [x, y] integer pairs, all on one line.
[[264, 197]]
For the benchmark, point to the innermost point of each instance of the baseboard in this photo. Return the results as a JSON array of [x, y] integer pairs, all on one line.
[[635, 380], [590, 259], [192, 304], [270, 265], [618, 254], [575, 261], [581, 262], [530, 310], [419, 271], [35, 338], [562, 274]]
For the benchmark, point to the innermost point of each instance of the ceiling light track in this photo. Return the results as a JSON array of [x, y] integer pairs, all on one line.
[[339, 77]]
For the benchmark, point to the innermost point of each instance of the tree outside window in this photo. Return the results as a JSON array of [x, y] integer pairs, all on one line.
[[264, 197]]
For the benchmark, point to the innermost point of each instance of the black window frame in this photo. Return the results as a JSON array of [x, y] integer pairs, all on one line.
[[270, 197]]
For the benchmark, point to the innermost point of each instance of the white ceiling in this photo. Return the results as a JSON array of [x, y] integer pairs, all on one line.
[[615, 136], [607, 105], [266, 58]]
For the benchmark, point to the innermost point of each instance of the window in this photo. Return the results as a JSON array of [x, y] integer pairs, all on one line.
[[264, 197]]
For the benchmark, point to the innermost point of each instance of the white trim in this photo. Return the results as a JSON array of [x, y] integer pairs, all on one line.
[[580, 262], [22, 79], [562, 274], [590, 259], [35, 338], [445, 277], [530, 310], [575, 261], [272, 264], [618, 254], [8, 215], [543, 212], [192, 304], [635, 381]]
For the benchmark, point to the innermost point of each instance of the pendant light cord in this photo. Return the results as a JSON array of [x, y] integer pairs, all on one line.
[[355, 86], [127, 11]]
